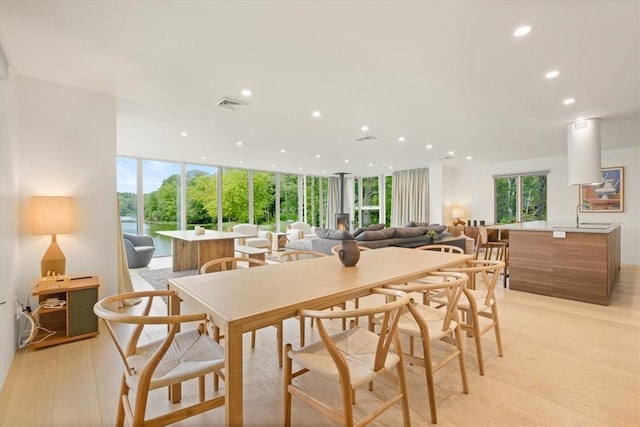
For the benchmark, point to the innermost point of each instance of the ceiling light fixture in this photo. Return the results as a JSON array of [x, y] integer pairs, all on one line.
[[370, 164], [246, 92], [401, 138], [283, 151], [316, 114], [202, 157], [581, 118], [364, 128], [468, 157], [317, 156], [569, 101], [552, 74], [346, 160], [239, 143], [184, 134], [451, 153], [390, 167], [429, 146], [522, 31], [241, 162]]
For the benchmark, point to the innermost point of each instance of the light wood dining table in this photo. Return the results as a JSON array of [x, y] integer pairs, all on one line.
[[246, 299]]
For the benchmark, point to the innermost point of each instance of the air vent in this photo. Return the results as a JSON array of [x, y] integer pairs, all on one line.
[[366, 138], [446, 158], [230, 103]]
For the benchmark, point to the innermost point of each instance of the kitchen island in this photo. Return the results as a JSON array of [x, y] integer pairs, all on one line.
[[564, 260]]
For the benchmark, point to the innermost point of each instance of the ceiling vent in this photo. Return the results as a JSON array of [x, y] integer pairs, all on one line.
[[366, 138], [446, 158], [230, 103]]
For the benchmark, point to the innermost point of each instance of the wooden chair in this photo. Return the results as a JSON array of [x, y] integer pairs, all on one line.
[[493, 249], [173, 359], [351, 358], [430, 324], [477, 303], [297, 255], [437, 248], [231, 263]]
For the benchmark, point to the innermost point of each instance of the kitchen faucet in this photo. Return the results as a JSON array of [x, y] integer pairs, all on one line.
[[580, 205]]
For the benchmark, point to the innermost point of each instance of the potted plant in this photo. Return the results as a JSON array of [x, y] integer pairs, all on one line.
[[432, 235]]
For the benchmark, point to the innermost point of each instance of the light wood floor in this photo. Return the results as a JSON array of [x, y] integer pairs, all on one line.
[[565, 363]]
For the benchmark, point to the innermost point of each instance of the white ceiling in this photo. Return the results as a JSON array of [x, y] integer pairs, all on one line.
[[449, 74]]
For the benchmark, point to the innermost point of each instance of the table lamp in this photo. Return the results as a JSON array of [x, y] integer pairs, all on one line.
[[457, 214], [52, 215]]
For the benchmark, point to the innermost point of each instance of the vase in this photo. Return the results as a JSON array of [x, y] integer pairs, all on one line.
[[349, 253]]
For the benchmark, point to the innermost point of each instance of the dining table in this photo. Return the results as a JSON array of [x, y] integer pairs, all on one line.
[[247, 299]]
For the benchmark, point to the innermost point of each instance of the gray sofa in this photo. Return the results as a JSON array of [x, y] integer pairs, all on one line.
[[377, 236]]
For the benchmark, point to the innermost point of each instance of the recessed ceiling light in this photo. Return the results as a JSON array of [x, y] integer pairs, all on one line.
[[390, 167], [552, 74], [451, 153], [299, 169], [429, 146], [468, 157], [401, 138], [283, 151], [317, 156], [364, 128], [246, 92], [569, 101], [239, 143], [324, 171], [241, 162], [273, 166], [316, 114], [346, 160], [522, 31], [581, 118], [202, 157], [184, 134], [370, 164]]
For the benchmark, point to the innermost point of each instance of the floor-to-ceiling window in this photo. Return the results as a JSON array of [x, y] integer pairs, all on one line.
[[127, 188], [520, 197], [235, 197], [161, 189], [315, 210], [288, 200], [388, 180], [264, 200], [369, 201], [201, 197]]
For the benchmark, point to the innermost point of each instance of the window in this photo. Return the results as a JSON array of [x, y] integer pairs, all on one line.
[[521, 197], [161, 188], [127, 188], [288, 200], [235, 197], [264, 197], [370, 197], [202, 197]]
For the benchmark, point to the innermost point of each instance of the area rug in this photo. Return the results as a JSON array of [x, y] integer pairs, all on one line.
[[158, 278]]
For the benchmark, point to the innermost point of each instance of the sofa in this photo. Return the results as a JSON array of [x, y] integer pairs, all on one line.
[[412, 235]]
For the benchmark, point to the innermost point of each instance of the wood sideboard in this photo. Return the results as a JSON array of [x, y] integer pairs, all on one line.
[[575, 264]]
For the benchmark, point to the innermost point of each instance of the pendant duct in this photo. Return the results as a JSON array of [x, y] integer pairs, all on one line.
[[583, 152]]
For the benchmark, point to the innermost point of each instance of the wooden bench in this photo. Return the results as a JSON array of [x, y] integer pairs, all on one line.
[[256, 253]]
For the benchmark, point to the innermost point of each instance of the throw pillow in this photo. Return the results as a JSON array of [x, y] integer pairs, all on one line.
[[437, 228], [328, 233], [422, 224], [372, 227], [410, 224], [385, 233], [409, 232]]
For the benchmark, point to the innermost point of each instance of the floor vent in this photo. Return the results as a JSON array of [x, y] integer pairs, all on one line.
[[230, 103]]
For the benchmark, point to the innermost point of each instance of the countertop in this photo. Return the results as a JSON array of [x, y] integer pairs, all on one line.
[[587, 227]]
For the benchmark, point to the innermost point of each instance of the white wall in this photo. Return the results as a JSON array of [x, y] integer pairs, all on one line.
[[66, 145], [9, 243], [471, 187]]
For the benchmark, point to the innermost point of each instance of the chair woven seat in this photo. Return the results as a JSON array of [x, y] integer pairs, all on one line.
[[433, 319], [190, 355]]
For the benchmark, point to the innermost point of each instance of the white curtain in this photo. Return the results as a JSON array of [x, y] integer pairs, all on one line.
[[124, 277], [333, 201], [409, 196]]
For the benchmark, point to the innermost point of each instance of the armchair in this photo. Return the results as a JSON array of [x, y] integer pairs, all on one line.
[[300, 230], [139, 250], [259, 239]]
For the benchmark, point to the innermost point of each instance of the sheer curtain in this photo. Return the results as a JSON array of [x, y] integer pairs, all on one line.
[[333, 201], [409, 196]]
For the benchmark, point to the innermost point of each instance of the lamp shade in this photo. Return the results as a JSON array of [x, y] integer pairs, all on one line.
[[457, 212], [52, 215], [583, 152]]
